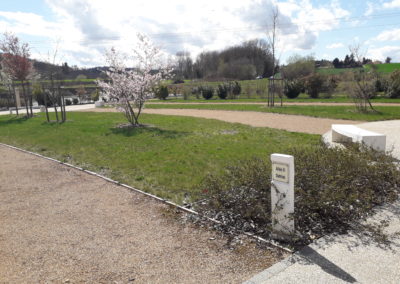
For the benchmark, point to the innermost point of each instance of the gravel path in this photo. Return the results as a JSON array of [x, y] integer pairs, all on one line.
[[277, 103], [60, 225], [294, 123]]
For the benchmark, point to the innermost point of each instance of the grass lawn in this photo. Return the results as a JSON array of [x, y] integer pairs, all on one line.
[[168, 159], [337, 112]]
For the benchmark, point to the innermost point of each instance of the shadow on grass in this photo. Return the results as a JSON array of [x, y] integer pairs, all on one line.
[[155, 131], [14, 120]]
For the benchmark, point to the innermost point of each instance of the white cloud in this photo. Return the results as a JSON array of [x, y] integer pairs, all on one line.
[[389, 35], [335, 45], [381, 53], [371, 7], [86, 28], [391, 4]]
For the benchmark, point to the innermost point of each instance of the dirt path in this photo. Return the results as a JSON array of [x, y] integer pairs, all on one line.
[[294, 123], [278, 103], [60, 225]]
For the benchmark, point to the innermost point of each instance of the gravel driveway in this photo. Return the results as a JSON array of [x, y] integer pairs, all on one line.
[[294, 123], [61, 225]]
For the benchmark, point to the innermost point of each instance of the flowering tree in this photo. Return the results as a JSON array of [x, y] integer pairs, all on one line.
[[16, 64], [131, 87]]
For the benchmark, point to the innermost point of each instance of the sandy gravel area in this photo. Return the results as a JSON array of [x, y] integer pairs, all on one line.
[[294, 123], [61, 225]]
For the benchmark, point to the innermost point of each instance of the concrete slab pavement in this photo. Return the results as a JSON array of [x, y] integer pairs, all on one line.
[[348, 258], [68, 108]]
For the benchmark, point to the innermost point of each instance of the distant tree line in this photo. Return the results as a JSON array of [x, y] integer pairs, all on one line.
[[350, 62], [242, 62]]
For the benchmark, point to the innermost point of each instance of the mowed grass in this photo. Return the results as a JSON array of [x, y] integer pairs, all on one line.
[[169, 158], [337, 112]]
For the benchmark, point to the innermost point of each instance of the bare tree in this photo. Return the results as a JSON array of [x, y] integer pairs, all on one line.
[[363, 88], [272, 40], [53, 89], [16, 64]]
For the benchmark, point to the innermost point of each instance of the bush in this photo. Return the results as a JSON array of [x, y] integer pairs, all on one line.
[[381, 85], [207, 92], [222, 91], [293, 88], [68, 102], [75, 101], [95, 95], [196, 91], [178, 81], [319, 83], [186, 94], [236, 88], [161, 92], [314, 84], [333, 189], [394, 85]]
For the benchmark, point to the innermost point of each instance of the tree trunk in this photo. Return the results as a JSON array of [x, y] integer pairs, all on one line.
[[45, 106], [15, 99]]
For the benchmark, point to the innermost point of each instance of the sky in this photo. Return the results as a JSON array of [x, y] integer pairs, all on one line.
[[82, 30]]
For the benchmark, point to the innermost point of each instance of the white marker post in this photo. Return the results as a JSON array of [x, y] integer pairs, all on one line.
[[282, 196]]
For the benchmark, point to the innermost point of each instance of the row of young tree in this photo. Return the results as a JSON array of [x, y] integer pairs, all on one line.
[[242, 62], [17, 74]]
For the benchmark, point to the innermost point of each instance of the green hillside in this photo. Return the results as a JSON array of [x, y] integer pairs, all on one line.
[[386, 67]]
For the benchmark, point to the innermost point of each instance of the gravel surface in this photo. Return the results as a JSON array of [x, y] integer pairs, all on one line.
[[277, 103], [294, 123], [61, 225]]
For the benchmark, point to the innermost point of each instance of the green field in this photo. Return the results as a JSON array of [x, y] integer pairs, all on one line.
[[335, 71], [169, 158], [381, 68], [337, 112], [386, 67]]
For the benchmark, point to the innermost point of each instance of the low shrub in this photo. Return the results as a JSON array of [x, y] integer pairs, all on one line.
[[314, 84], [393, 90], [68, 102], [236, 88], [207, 92], [161, 92], [196, 91], [94, 96], [75, 101], [222, 91], [381, 85], [333, 189], [178, 81], [293, 88]]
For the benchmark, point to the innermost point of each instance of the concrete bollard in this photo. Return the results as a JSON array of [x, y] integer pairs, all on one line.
[[282, 196]]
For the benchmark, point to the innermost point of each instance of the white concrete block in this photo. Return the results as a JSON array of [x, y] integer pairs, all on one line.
[[282, 196], [99, 104], [351, 133]]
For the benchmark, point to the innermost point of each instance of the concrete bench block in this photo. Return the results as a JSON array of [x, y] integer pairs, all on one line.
[[99, 104], [350, 133]]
